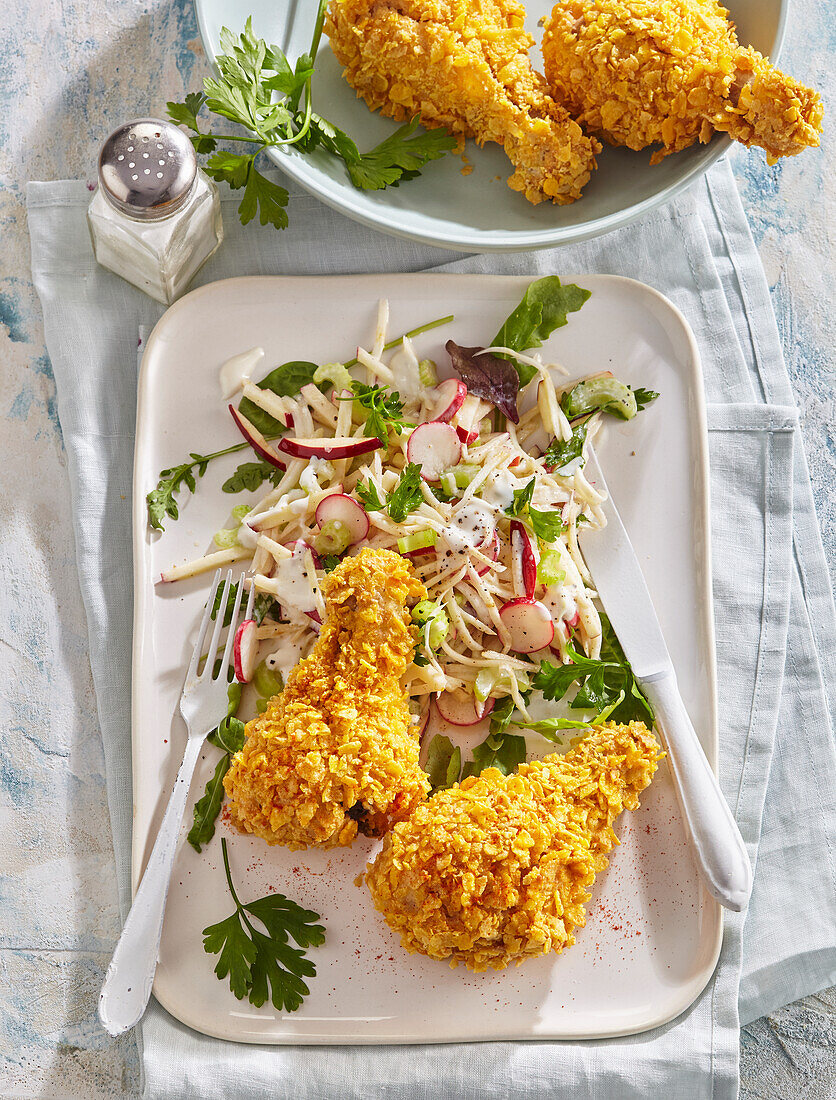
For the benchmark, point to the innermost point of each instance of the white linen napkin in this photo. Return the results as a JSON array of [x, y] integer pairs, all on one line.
[[776, 634]]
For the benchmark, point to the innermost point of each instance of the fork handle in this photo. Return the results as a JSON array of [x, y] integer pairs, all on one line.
[[127, 985]]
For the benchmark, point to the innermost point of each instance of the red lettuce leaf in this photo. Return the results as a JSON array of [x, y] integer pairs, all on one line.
[[488, 377]]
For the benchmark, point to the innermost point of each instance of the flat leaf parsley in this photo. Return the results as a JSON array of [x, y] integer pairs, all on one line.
[[264, 965], [251, 73]]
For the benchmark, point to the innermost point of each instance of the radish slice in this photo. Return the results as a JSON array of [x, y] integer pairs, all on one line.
[[423, 722], [337, 447], [345, 510], [245, 650], [451, 394], [467, 418], [299, 546], [524, 560], [255, 439], [490, 550], [435, 447], [460, 708], [529, 624]]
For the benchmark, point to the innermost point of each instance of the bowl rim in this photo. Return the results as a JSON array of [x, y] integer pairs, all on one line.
[[316, 183]]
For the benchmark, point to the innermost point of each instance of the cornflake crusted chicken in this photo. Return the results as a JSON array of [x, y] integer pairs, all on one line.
[[642, 72], [498, 869], [336, 751], [464, 65]]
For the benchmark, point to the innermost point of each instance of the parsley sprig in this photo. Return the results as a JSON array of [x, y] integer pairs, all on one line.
[[161, 502], [264, 965], [383, 410], [545, 525], [403, 499], [251, 74]]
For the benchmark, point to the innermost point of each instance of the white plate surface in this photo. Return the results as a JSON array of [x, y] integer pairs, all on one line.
[[477, 213], [653, 934]]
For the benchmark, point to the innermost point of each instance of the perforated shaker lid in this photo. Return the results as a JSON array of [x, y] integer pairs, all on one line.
[[147, 168]]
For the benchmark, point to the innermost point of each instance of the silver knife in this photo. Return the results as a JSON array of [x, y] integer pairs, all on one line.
[[719, 848]]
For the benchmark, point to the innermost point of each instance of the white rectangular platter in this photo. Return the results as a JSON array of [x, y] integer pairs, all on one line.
[[653, 933]]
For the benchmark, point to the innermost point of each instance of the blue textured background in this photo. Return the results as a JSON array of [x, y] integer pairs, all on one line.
[[69, 71]]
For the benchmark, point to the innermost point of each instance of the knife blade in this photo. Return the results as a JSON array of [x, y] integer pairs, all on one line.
[[616, 574], [620, 583]]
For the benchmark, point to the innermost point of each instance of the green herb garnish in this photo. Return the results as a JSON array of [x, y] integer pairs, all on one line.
[[250, 73], [563, 451], [264, 965], [545, 525], [544, 308], [444, 763], [250, 475], [382, 409], [407, 495]]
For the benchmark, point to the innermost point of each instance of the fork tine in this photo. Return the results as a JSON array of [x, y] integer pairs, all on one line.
[[233, 624], [251, 600], [216, 633], [202, 631]]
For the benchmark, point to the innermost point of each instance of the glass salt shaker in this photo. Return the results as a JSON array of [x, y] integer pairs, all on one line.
[[155, 218]]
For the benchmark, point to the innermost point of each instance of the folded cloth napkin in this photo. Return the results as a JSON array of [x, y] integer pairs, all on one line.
[[776, 632]]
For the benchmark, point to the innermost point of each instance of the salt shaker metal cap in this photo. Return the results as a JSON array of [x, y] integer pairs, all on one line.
[[147, 168]]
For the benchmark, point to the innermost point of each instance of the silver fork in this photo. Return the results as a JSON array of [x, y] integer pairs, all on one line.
[[127, 985]]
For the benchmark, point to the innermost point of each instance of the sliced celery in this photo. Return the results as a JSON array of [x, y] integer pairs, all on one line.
[[427, 373], [334, 374], [333, 538], [417, 541], [267, 681], [549, 570], [604, 392], [434, 619], [226, 538], [241, 510]]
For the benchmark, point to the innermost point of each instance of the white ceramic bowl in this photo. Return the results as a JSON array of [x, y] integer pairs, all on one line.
[[476, 213]]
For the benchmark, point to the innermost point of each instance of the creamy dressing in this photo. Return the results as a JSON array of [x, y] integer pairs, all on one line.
[[404, 367], [293, 583], [237, 370], [287, 655], [560, 600], [499, 491], [471, 526], [317, 468]]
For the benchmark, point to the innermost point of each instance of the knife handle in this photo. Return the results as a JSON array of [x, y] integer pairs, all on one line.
[[719, 848]]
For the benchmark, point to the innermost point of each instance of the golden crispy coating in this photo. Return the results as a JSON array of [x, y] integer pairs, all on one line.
[[336, 750], [463, 64], [497, 869], [671, 72]]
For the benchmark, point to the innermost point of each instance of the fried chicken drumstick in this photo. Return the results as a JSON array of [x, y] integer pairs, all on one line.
[[498, 869], [335, 751], [464, 65], [671, 72]]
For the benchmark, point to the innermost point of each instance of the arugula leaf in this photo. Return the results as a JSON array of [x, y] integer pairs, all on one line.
[[550, 727], [229, 736], [644, 397], [369, 496], [444, 763], [262, 604], [160, 501], [382, 409], [249, 475], [563, 451], [544, 307], [285, 380], [487, 376], [503, 751], [407, 495], [263, 966]]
